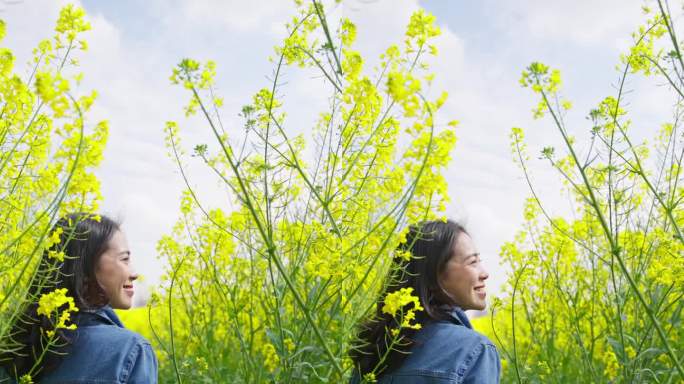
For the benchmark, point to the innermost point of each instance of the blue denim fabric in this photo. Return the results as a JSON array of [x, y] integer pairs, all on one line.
[[104, 352], [447, 352]]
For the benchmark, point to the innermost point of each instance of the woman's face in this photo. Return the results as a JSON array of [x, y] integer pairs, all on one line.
[[463, 277], [115, 274]]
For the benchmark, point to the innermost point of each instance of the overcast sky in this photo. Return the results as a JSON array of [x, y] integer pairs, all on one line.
[[483, 49]]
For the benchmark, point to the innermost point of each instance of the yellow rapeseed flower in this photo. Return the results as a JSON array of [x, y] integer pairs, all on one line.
[[395, 302], [50, 303], [57, 255], [55, 237], [271, 359]]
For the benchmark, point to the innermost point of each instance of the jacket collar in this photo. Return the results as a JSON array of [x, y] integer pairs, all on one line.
[[102, 315], [458, 316]]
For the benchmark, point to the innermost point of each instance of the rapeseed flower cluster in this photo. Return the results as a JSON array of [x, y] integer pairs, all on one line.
[[49, 153], [598, 293], [52, 304], [271, 286], [397, 304], [298, 256], [271, 359]]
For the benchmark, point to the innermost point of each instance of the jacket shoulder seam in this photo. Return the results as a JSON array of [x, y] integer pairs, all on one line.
[[465, 366], [130, 360]]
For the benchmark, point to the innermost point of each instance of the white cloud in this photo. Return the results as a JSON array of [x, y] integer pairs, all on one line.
[[28, 24], [580, 21], [237, 14]]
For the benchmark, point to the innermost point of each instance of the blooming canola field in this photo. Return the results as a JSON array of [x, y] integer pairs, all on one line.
[[271, 286]]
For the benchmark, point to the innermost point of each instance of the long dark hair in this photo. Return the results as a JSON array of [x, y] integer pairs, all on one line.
[[81, 239], [431, 245]]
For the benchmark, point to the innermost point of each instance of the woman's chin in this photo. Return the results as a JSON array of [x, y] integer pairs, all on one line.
[[123, 304], [478, 305]]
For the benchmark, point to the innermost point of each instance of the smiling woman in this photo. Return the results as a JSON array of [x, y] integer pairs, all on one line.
[[72, 333], [114, 273], [463, 275], [428, 338]]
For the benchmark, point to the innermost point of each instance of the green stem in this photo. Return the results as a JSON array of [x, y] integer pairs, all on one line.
[[173, 346], [670, 29], [321, 17], [614, 248], [262, 232]]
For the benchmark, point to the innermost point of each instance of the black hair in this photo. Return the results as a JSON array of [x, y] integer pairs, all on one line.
[[82, 238], [431, 245]]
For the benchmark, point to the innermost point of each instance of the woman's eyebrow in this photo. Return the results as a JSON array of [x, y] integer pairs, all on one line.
[[474, 254]]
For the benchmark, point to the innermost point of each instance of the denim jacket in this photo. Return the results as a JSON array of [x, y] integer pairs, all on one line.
[[447, 352], [104, 352]]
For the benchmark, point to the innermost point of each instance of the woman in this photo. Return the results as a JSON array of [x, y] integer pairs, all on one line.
[[439, 264], [70, 332]]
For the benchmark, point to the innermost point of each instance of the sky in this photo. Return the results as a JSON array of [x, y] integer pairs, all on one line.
[[483, 48]]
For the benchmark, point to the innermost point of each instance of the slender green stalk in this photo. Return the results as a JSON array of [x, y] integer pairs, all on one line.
[[269, 245], [173, 347], [615, 249], [515, 348], [321, 17]]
